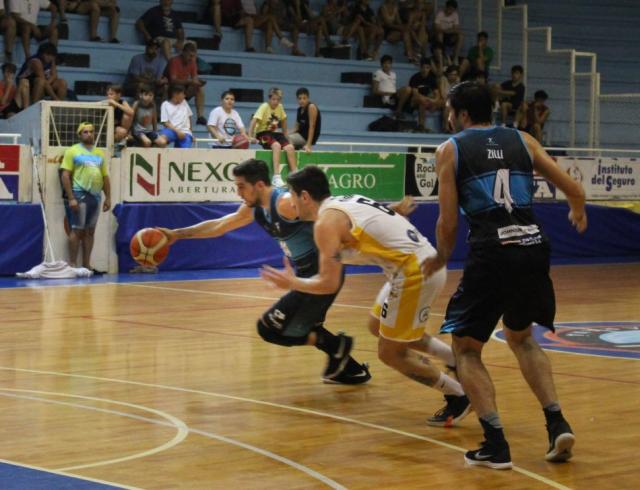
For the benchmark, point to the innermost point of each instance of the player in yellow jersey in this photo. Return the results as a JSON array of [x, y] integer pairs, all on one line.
[[358, 230]]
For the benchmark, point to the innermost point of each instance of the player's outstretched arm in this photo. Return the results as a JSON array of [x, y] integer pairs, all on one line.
[[550, 170], [212, 228]]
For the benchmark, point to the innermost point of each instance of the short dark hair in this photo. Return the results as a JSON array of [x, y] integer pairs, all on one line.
[[10, 67], [452, 4], [425, 60], [310, 179], [227, 92], [47, 48], [115, 87], [541, 94], [253, 171], [189, 47], [175, 89], [451, 68], [385, 58], [516, 68], [145, 89], [483, 34], [302, 91], [474, 98]]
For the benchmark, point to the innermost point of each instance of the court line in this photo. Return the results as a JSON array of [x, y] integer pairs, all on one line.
[[181, 433], [316, 413], [70, 475], [238, 295], [305, 469]]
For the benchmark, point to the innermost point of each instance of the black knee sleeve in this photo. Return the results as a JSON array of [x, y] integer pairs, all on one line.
[[274, 335]]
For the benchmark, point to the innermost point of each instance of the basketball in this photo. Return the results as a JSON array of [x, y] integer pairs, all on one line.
[[149, 247], [240, 142]]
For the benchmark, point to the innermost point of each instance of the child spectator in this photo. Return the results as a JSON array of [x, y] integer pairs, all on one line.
[[510, 93], [175, 115], [183, 70], [12, 98], [25, 13], [422, 93], [162, 23], [448, 33], [383, 83], [122, 113], [534, 114], [267, 119], [224, 122], [478, 58], [42, 75], [94, 8], [8, 27], [308, 122], [147, 69], [145, 118], [394, 29]]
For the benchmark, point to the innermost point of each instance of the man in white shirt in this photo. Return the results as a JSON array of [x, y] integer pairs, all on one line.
[[448, 33], [175, 115], [384, 82], [25, 14], [8, 27], [224, 122]]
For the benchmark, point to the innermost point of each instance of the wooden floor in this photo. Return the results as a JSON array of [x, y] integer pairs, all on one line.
[[167, 385]]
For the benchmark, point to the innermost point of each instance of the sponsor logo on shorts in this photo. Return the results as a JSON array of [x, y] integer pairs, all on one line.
[[424, 314]]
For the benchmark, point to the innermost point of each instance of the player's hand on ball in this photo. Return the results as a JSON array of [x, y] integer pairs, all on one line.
[[170, 234], [281, 278]]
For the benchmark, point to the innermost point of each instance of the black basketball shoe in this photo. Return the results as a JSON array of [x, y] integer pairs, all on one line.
[[339, 359], [561, 440], [350, 377], [493, 455], [457, 408]]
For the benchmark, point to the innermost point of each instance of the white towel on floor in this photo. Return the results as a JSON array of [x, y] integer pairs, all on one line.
[[55, 270]]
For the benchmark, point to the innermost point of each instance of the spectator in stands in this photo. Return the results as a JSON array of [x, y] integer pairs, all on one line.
[[13, 98], [394, 29], [308, 122], [480, 77], [534, 114], [230, 13], [94, 8], [302, 19], [417, 17], [122, 113], [162, 23], [264, 126], [145, 118], [175, 115], [25, 13], [510, 94], [335, 14], [224, 122], [448, 33], [422, 93], [277, 11], [8, 27], [363, 27], [450, 78], [384, 83], [41, 73], [85, 176], [266, 23], [183, 70], [147, 69], [478, 58]]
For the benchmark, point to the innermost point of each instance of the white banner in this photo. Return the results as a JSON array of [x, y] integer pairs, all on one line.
[[424, 170], [180, 175], [605, 178]]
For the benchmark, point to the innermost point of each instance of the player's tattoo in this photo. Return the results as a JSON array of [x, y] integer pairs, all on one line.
[[422, 379]]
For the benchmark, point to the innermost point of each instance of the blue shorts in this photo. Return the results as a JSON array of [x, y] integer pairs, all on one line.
[[172, 137], [86, 216]]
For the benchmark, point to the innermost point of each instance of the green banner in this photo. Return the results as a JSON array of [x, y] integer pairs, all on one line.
[[379, 176]]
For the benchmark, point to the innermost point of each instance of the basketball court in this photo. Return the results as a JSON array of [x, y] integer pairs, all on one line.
[[160, 381]]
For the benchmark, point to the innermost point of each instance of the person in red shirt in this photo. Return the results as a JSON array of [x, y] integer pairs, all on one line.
[[183, 70], [12, 98]]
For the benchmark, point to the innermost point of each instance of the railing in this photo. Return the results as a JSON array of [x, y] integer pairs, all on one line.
[[13, 136]]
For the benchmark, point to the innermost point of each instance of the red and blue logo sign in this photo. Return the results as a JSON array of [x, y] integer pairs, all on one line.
[[608, 339]]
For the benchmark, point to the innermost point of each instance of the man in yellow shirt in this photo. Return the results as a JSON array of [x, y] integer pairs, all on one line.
[[84, 177], [267, 119]]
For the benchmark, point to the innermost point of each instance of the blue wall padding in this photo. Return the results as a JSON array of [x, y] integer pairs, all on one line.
[[21, 235]]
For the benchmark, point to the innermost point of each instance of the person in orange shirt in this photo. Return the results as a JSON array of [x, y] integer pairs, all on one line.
[[183, 70]]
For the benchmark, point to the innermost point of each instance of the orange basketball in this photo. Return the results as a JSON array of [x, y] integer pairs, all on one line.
[[240, 142], [149, 247]]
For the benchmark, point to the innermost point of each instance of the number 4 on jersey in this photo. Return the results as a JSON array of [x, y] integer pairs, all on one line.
[[501, 191]]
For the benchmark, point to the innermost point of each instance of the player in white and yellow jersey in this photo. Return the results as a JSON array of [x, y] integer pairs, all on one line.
[[359, 230]]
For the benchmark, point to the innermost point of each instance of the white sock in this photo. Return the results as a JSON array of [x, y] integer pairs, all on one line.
[[440, 349], [449, 386]]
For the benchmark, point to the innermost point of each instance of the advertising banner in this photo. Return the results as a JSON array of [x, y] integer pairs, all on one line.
[[605, 177], [376, 175], [180, 175], [9, 172], [421, 180]]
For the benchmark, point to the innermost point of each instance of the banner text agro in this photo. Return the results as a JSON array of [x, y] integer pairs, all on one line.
[[201, 171]]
